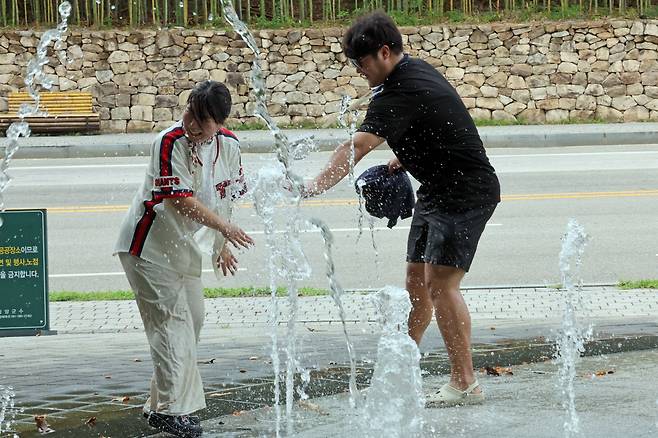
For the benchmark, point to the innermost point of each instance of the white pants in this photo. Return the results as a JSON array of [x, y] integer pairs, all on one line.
[[172, 309]]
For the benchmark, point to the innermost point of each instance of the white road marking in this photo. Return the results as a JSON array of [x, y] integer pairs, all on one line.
[[573, 154], [110, 274], [77, 166], [491, 155], [350, 230]]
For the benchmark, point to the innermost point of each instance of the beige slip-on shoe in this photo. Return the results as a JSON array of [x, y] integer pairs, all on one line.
[[448, 396]]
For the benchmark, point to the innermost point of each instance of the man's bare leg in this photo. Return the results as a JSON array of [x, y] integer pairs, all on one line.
[[421, 302], [454, 321]]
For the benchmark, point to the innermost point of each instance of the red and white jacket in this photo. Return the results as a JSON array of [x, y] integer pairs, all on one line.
[[154, 231]]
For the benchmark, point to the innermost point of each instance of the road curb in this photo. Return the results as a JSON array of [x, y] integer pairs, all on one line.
[[533, 136]]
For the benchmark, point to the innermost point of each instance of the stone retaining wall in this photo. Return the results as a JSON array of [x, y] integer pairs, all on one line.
[[537, 72]]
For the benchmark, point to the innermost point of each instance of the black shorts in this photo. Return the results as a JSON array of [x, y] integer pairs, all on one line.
[[448, 239]]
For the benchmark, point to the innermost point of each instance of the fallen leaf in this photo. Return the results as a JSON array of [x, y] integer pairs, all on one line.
[[602, 373], [243, 371], [238, 413], [91, 422], [108, 377], [42, 424], [310, 329], [254, 358], [207, 362], [137, 360], [492, 328], [491, 371], [498, 371], [312, 407]]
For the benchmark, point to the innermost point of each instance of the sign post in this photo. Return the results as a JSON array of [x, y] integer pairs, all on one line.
[[24, 273]]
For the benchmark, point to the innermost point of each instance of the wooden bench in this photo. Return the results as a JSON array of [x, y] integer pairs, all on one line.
[[66, 112]]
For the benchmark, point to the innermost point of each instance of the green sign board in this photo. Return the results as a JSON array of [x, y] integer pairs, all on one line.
[[23, 271]]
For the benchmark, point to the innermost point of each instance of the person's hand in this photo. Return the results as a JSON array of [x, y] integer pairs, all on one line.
[[236, 236], [227, 261], [309, 190], [394, 165]]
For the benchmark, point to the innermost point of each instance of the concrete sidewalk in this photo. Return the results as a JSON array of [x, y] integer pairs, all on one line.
[[111, 145], [98, 365]]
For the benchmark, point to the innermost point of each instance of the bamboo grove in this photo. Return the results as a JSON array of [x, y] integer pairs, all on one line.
[[138, 13]]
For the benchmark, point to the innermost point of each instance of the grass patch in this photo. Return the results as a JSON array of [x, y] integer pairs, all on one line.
[[111, 295], [638, 284], [258, 126], [526, 14], [255, 126], [236, 292], [490, 122], [259, 292]]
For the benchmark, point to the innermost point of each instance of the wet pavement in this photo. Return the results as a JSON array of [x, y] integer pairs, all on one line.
[[98, 365], [616, 396]]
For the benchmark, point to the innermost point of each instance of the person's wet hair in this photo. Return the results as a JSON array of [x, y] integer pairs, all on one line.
[[369, 33], [210, 100]]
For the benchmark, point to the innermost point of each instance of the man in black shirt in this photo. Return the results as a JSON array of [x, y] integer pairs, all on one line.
[[421, 116]]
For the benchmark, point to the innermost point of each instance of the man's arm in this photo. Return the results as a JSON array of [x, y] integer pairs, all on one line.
[[191, 207], [339, 164]]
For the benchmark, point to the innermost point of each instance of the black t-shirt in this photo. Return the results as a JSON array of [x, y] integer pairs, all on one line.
[[429, 129]]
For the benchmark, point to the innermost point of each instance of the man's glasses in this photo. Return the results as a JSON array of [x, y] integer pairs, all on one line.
[[355, 63]]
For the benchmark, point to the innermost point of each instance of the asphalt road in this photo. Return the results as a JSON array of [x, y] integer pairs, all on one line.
[[611, 190]]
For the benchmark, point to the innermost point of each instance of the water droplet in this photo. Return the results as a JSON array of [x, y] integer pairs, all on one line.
[[181, 4], [113, 7], [211, 17], [65, 9]]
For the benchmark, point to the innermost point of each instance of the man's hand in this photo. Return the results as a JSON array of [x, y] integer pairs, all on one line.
[[394, 165], [227, 261], [309, 190], [236, 236]]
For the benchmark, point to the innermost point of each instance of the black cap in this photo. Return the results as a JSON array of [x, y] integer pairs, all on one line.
[[386, 195]]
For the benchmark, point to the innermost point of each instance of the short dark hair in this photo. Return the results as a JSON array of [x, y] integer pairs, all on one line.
[[369, 33], [210, 100]]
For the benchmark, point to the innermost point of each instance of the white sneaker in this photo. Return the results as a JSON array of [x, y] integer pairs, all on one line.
[[448, 396]]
